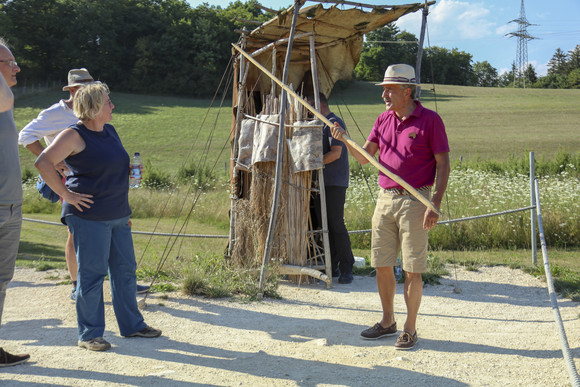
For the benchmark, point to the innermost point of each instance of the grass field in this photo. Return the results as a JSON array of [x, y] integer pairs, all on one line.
[[483, 124]]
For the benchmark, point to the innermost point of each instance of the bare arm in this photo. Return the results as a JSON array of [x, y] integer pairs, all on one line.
[[37, 148], [441, 178], [67, 143], [370, 147], [332, 155]]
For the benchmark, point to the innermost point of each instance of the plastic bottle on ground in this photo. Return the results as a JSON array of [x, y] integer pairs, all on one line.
[[398, 270], [136, 175]]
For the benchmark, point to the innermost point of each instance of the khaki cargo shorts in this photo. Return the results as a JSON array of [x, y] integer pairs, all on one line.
[[398, 225]]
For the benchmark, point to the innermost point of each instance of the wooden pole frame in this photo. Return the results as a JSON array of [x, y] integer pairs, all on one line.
[[323, 209], [280, 150], [345, 137]]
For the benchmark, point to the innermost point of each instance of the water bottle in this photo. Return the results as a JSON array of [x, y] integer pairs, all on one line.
[[135, 176], [398, 270]]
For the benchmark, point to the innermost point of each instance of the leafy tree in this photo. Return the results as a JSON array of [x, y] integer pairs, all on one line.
[[558, 65], [484, 74], [36, 30], [451, 67], [247, 11], [574, 58], [562, 70], [552, 81], [574, 79], [530, 75], [378, 53]]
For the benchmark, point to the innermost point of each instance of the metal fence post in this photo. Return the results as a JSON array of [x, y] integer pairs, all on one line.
[[532, 211]]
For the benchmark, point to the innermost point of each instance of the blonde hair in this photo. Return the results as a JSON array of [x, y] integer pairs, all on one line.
[[89, 100]]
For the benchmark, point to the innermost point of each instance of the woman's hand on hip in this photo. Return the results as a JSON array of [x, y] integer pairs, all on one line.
[[78, 200]]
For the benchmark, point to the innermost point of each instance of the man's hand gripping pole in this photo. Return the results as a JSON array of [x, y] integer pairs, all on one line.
[[347, 139]]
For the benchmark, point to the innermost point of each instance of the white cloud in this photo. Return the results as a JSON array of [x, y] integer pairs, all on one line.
[[453, 20], [506, 29], [542, 70]]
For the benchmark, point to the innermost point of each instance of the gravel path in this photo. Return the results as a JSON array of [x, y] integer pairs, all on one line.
[[499, 331]]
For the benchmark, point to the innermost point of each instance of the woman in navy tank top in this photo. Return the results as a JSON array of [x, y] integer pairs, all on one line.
[[96, 210]]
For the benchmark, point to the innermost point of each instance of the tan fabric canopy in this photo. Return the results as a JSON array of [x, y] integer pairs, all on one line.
[[338, 38]]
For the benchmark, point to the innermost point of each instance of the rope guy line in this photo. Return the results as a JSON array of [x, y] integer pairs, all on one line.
[[228, 68], [153, 233]]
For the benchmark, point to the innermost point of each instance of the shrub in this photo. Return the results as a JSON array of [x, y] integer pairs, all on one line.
[[201, 176], [29, 176], [155, 179]]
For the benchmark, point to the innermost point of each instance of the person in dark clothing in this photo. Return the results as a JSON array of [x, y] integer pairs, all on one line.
[[336, 176]]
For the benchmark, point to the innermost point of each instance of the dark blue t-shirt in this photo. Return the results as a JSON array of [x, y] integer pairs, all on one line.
[[335, 173], [102, 170]]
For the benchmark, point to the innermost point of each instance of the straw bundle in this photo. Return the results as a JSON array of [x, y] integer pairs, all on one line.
[[290, 244]]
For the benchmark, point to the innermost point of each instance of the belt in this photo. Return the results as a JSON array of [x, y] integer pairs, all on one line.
[[401, 191]]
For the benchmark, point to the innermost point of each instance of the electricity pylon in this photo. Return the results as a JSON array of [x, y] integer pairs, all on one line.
[[522, 49]]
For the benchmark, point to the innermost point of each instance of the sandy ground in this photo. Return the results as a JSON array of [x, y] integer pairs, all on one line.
[[499, 331]]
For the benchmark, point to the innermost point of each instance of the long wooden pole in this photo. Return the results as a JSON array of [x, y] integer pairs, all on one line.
[[323, 210], [280, 150], [420, 48], [346, 138]]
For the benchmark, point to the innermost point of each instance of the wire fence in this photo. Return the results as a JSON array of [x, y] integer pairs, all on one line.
[[24, 88], [463, 219]]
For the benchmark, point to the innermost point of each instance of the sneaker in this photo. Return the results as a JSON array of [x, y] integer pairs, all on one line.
[[345, 278], [142, 289], [147, 332], [96, 344], [406, 340], [8, 359], [377, 331], [73, 294]]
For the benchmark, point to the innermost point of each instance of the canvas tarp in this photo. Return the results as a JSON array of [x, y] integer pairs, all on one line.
[[265, 139], [338, 39], [306, 145]]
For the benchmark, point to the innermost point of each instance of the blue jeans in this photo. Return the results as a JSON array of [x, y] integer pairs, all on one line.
[[101, 247], [10, 223]]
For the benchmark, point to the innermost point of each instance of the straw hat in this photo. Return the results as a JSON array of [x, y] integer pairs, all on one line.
[[399, 74], [78, 77]]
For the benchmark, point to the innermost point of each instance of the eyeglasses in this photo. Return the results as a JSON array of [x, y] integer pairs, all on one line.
[[11, 63]]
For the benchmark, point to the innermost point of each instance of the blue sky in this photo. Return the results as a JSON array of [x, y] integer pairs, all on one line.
[[479, 27]]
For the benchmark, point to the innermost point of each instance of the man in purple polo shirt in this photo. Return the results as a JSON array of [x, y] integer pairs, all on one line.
[[412, 143]]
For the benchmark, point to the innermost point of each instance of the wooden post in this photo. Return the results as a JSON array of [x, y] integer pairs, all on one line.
[[241, 91], [325, 239], [273, 88], [279, 160], [420, 50]]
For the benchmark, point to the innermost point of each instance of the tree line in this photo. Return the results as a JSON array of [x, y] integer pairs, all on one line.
[[148, 46], [168, 47], [453, 67]]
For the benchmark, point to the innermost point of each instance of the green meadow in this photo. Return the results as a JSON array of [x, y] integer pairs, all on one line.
[[491, 132], [482, 123]]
